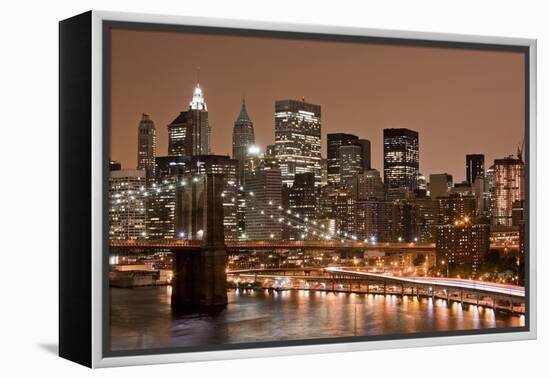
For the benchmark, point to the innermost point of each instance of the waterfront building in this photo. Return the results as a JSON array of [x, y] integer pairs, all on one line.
[[127, 216], [509, 186], [189, 132], [401, 158], [298, 139], [440, 185], [243, 139], [475, 167], [147, 147], [462, 244]]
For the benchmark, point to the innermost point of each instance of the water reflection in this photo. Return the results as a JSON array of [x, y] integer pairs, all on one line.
[[142, 318]]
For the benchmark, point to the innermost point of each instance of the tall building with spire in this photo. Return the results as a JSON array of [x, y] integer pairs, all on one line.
[[147, 145], [189, 133], [298, 139], [243, 138]]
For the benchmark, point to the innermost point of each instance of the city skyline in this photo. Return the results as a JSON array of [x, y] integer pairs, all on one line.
[[342, 111], [292, 170]]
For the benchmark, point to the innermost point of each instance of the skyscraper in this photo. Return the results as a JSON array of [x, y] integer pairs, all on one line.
[[147, 147], [302, 200], [126, 204], [344, 214], [298, 139], [334, 142], [243, 138], [365, 153], [509, 187], [475, 167], [351, 164], [189, 133], [401, 158], [263, 194]]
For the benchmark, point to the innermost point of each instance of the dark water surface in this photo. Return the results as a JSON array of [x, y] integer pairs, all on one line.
[[142, 318]]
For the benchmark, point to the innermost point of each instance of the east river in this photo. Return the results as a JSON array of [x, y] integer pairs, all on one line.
[[142, 318]]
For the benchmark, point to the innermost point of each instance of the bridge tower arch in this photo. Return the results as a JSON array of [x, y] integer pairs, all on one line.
[[199, 278]]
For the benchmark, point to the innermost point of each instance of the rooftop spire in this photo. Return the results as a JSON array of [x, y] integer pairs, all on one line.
[[243, 115], [198, 103]]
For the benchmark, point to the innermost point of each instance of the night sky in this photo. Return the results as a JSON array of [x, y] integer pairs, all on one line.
[[460, 101]]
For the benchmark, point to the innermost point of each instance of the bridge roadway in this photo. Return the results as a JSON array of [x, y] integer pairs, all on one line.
[[432, 283], [178, 244], [237, 245]]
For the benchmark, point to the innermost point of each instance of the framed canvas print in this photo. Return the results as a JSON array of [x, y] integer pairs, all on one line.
[[232, 189]]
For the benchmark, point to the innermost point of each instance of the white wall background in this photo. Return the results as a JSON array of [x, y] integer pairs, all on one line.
[[28, 156]]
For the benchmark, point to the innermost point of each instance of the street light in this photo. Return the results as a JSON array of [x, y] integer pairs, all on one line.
[[443, 263]]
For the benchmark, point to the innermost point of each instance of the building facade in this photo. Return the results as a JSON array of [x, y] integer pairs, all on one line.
[[127, 215], [302, 200], [509, 187], [475, 167], [365, 153], [334, 142], [401, 158], [147, 147], [189, 133], [243, 139], [298, 139], [440, 185], [368, 185], [449, 209], [344, 214], [263, 195], [462, 244]]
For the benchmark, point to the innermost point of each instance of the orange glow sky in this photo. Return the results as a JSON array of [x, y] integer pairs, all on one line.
[[460, 101]]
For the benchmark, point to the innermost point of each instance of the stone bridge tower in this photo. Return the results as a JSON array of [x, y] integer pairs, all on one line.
[[199, 280]]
